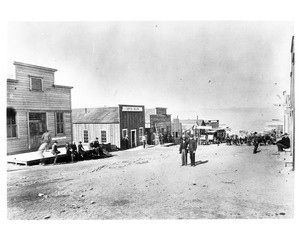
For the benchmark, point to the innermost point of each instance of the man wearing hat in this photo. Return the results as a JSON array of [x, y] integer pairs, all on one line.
[[192, 149], [97, 146], [284, 143], [81, 151], [183, 150], [255, 143], [54, 151]]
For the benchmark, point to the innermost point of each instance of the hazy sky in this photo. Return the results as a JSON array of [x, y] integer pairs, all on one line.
[[184, 66]]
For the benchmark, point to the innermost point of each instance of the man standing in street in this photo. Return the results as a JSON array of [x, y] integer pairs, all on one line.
[[183, 150], [255, 143], [144, 140], [192, 149]]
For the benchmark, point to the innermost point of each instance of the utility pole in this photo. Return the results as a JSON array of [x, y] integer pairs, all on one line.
[[292, 93]]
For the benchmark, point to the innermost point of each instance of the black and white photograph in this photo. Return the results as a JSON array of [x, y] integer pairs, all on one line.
[[150, 119]]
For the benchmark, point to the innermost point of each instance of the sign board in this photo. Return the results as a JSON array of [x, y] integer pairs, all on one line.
[[132, 108]]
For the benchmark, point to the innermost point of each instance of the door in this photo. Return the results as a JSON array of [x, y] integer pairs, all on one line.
[[37, 126], [133, 138]]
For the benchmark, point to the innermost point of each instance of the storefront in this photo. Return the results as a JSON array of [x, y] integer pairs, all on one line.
[[36, 104]]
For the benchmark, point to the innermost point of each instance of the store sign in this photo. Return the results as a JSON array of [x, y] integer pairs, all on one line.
[[132, 109]]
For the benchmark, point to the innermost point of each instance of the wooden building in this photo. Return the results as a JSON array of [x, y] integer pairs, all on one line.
[[110, 124], [34, 104], [213, 123]]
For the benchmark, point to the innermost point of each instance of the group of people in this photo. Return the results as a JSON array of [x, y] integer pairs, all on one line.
[[256, 139], [74, 152], [188, 145], [249, 139]]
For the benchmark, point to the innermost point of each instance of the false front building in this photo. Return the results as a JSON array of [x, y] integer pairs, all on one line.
[[110, 125], [36, 104]]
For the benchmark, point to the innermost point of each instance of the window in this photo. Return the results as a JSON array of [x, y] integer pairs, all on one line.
[[59, 122], [124, 133], [11, 123], [141, 133], [85, 136], [36, 84], [103, 137]]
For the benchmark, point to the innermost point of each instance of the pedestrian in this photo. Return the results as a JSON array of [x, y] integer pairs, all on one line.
[[255, 143], [46, 138], [192, 145], [55, 151], [126, 142], [40, 151], [69, 151], [144, 141], [74, 150], [283, 143], [183, 150]]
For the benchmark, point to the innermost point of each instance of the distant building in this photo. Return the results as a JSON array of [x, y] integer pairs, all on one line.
[[110, 124], [212, 123], [176, 130], [157, 121], [34, 104], [276, 125], [190, 124]]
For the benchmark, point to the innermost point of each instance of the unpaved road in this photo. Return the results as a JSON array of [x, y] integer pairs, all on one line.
[[231, 182]]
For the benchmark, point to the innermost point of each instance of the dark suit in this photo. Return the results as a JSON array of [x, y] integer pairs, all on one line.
[[192, 149], [284, 143], [183, 150]]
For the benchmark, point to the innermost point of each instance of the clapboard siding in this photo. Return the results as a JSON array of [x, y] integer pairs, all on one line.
[[132, 120], [94, 130], [52, 99], [21, 142]]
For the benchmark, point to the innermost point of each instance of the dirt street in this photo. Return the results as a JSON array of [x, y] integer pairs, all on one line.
[[230, 182]]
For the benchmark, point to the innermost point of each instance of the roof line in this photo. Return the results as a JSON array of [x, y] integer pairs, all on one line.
[[34, 66]]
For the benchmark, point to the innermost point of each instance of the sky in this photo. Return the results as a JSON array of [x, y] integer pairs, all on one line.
[[234, 71]]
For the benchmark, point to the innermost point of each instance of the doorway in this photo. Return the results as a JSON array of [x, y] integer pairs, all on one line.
[[37, 126], [133, 138]]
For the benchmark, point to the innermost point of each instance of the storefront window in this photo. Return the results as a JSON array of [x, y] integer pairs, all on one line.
[[11, 123], [59, 122]]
